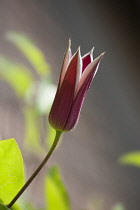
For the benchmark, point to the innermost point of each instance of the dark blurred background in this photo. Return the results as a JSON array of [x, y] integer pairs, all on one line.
[[109, 124]]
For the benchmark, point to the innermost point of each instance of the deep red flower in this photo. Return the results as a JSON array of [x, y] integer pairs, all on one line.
[[76, 76]]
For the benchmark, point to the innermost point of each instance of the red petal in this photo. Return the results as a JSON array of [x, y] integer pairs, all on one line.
[[65, 96], [87, 59], [65, 64], [76, 107], [92, 67]]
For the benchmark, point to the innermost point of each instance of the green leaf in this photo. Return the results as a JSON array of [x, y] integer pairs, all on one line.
[[11, 170], [55, 192], [3, 207], [31, 52], [16, 75], [118, 206], [132, 158]]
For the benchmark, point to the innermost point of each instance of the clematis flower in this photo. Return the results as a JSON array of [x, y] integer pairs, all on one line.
[[76, 76]]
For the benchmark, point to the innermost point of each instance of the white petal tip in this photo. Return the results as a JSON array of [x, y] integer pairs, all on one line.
[[102, 54], [78, 51], [69, 43], [91, 52]]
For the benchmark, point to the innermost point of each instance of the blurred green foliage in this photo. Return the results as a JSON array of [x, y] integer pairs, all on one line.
[[118, 206], [35, 89], [131, 158], [99, 204], [55, 192], [17, 75], [32, 53], [32, 129]]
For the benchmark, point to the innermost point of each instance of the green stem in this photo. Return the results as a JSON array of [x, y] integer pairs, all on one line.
[[57, 136]]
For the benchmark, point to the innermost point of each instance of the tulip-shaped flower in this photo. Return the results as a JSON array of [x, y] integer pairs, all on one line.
[[76, 76]]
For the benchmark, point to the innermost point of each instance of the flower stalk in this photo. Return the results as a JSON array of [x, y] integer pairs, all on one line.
[[57, 137]]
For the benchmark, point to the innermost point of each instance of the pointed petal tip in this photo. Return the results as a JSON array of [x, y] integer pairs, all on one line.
[[78, 49], [78, 52], [91, 51], [102, 54], [69, 43], [91, 54]]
